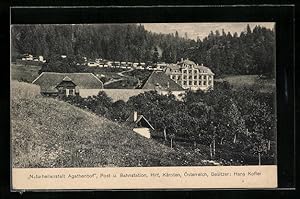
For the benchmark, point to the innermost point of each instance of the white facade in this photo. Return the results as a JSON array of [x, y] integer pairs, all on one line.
[[92, 64], [41, 58], [145, 132], [88, 92], [191, 76]]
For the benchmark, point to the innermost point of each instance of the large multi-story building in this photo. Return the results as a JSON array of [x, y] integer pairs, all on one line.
[[190, 75]]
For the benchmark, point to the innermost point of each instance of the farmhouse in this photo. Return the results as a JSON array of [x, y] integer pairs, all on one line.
[[140, 124], [160, 81], [66, 84], [190, 75]]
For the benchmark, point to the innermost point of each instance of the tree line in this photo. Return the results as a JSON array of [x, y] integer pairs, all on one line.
[[237, 125], [250, 52]]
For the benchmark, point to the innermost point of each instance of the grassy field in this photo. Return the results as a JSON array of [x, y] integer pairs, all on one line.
[[238, 81], [51, 133], [25, 73]]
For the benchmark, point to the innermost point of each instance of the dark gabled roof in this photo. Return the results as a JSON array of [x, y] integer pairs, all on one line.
[[159, 80], [174, 66], [130, 121], [204, 69], [49, 80]]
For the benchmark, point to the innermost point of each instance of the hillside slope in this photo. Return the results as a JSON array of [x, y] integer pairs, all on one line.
[[26, 73], [50, 133]]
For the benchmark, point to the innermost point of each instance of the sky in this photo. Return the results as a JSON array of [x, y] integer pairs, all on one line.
[[202, 29]]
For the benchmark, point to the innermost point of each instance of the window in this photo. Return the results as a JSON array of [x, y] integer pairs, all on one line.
[[184, 83], [71, 92], [204, 83], [195, 82], [195, 77], [190, 77], [190, 82]]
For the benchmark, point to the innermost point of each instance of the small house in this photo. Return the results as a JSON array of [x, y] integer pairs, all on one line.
[[92, 64], [67, 87], [140, 124], [41, 58]]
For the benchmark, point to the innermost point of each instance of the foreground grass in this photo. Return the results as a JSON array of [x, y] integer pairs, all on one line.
[[51, 133]]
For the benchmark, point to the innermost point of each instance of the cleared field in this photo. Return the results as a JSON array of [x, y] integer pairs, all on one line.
[[238, 81], [25, 73], [51, 133]]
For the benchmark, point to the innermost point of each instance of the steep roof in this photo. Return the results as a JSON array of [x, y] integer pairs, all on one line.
[[49, 80], [204, 69], [186, 62], [130, 121], [159, 80], [174, 66]]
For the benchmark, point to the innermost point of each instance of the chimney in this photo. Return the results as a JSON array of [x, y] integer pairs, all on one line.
[[135, 115], [181, 59]]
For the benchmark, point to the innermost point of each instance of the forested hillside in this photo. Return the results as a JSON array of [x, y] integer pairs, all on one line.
[[251, 52]]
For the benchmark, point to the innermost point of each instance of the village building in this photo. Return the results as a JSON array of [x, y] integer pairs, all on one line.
[[27, 57], [191, 75], [92, 64], [68, 84], [140, 124], [160, 66], [41, 59]]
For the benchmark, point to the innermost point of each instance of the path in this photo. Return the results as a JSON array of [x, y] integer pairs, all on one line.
[[125, 71], [121, 74]]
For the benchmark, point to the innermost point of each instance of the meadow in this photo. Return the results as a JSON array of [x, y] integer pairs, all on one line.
[[256, 81], [50, 133]]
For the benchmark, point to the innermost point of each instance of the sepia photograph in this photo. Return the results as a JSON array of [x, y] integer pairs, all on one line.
[[143, 95]]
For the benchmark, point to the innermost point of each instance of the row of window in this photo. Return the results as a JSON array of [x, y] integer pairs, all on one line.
[[195, 83], [189, 77], [193, 71]]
